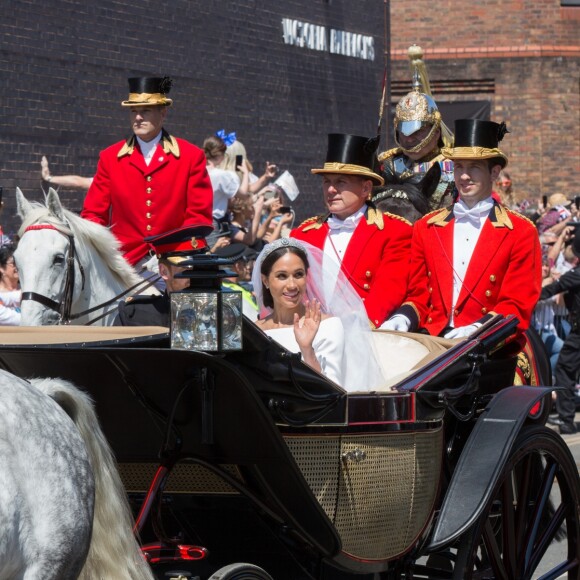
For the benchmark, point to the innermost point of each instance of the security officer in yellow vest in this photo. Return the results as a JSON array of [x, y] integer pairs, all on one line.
[[244, 254], [171, 248]]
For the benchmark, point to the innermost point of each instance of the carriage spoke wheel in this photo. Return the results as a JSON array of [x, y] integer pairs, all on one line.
[[530, 527], [240, 571]]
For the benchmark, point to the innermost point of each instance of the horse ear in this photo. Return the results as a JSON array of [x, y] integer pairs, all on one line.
[[53, 204], [23, 206], [429, 183]]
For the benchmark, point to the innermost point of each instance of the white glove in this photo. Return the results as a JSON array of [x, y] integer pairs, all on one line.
[[398, 322], [152, 265], [462, 331]]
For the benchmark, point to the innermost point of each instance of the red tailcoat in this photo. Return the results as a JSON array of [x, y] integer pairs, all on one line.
[[138, 201], [504, 275], [376, 260]]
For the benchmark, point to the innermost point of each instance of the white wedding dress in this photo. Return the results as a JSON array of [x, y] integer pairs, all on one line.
[[328, 346]]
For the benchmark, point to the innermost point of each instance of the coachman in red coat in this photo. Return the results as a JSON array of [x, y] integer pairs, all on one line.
[[371, 247], [475, 258], [152, 183]]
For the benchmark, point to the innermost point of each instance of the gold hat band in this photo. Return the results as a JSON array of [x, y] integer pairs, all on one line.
[[349, 169], [144, 99], [472, 153]]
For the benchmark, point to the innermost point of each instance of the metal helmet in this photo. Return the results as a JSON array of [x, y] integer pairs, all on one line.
[[415, 111]]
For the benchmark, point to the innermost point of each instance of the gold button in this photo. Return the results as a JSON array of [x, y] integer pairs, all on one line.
[[148, 203], [148, 215], [430, 289], [429, 320], [149, 178], [428, 274], [455, 312], [366, 287], [492, 278], [368, 274], [488, 293], [148, 190], [149, 228], [484, 310], [430, 306]]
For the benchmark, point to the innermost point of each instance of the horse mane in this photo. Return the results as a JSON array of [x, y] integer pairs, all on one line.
[[87, 233]]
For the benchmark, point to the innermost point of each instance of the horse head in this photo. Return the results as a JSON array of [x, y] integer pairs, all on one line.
[[67, 265], [408, 198]]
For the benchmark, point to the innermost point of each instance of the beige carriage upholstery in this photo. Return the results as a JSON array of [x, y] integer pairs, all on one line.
[[401, 353], [12, 335]]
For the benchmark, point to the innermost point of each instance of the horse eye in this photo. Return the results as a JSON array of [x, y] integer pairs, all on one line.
[[58, 260]]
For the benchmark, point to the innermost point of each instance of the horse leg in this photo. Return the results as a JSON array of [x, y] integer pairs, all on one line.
[[114, 550]]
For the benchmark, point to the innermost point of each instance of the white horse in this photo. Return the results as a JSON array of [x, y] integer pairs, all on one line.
[[71, 269], [57, 471]]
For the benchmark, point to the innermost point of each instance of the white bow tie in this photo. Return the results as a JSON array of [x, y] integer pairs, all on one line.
[[468, 215], [347, 225]]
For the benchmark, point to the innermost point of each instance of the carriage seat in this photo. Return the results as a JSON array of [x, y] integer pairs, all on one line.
[[402, 353]]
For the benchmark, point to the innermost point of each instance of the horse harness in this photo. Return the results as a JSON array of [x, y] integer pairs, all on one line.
[[64, 308]]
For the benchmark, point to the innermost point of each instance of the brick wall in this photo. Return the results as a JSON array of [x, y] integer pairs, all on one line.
[[64, 64], [529, 52]]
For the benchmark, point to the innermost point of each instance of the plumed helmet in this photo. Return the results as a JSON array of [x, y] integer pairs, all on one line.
[[414, 111]]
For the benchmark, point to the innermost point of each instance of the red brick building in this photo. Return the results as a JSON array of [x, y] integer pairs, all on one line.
[[523, 57]]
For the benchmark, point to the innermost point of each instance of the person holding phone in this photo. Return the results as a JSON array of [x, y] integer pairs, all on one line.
[[152, 182], [236, 157]]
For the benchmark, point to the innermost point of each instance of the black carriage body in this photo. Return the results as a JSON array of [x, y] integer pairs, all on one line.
[[265, 460]]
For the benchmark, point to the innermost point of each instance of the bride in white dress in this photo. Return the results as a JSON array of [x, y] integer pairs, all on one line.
[[332, 333]]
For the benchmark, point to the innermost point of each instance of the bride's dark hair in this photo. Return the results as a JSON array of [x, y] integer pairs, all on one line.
[[268, 263]]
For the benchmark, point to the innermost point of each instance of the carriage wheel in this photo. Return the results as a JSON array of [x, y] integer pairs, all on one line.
[[530, 527], [240, 571]]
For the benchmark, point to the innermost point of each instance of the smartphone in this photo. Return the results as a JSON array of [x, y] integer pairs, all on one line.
[[544, 200], [285, 209], [1, 192], [239, 160]]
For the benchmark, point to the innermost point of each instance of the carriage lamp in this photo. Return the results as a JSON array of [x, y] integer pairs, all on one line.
[[205, 316]]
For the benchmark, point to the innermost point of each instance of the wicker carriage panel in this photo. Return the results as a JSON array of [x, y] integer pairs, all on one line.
[[184, 478], [318, 459], [384, 493]]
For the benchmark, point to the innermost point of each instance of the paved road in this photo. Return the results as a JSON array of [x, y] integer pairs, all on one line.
[[573, 441]]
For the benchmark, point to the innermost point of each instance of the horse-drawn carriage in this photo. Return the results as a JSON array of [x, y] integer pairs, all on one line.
[[251, 456]]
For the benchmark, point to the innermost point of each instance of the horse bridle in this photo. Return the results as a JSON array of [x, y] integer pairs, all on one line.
[[64, 308]]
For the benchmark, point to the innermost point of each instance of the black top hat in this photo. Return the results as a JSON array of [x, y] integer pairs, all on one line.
[[477, 139], [176, 246], [148, 91], [353, 155]]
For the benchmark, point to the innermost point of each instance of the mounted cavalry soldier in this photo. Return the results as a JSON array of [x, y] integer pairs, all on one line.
[[369, 246], [420, 134], [151, 183], [475, 258]]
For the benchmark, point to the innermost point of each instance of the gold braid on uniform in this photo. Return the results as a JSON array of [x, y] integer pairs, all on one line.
[[314, 223]]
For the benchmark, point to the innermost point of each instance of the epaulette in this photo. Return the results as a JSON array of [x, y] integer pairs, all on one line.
[[502, 219], [389, 153], [521, 216], [397, 217], [375, 217], [313, 223], [438, 216]]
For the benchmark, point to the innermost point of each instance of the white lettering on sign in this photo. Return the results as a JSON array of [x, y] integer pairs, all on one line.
[[315, 37]]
